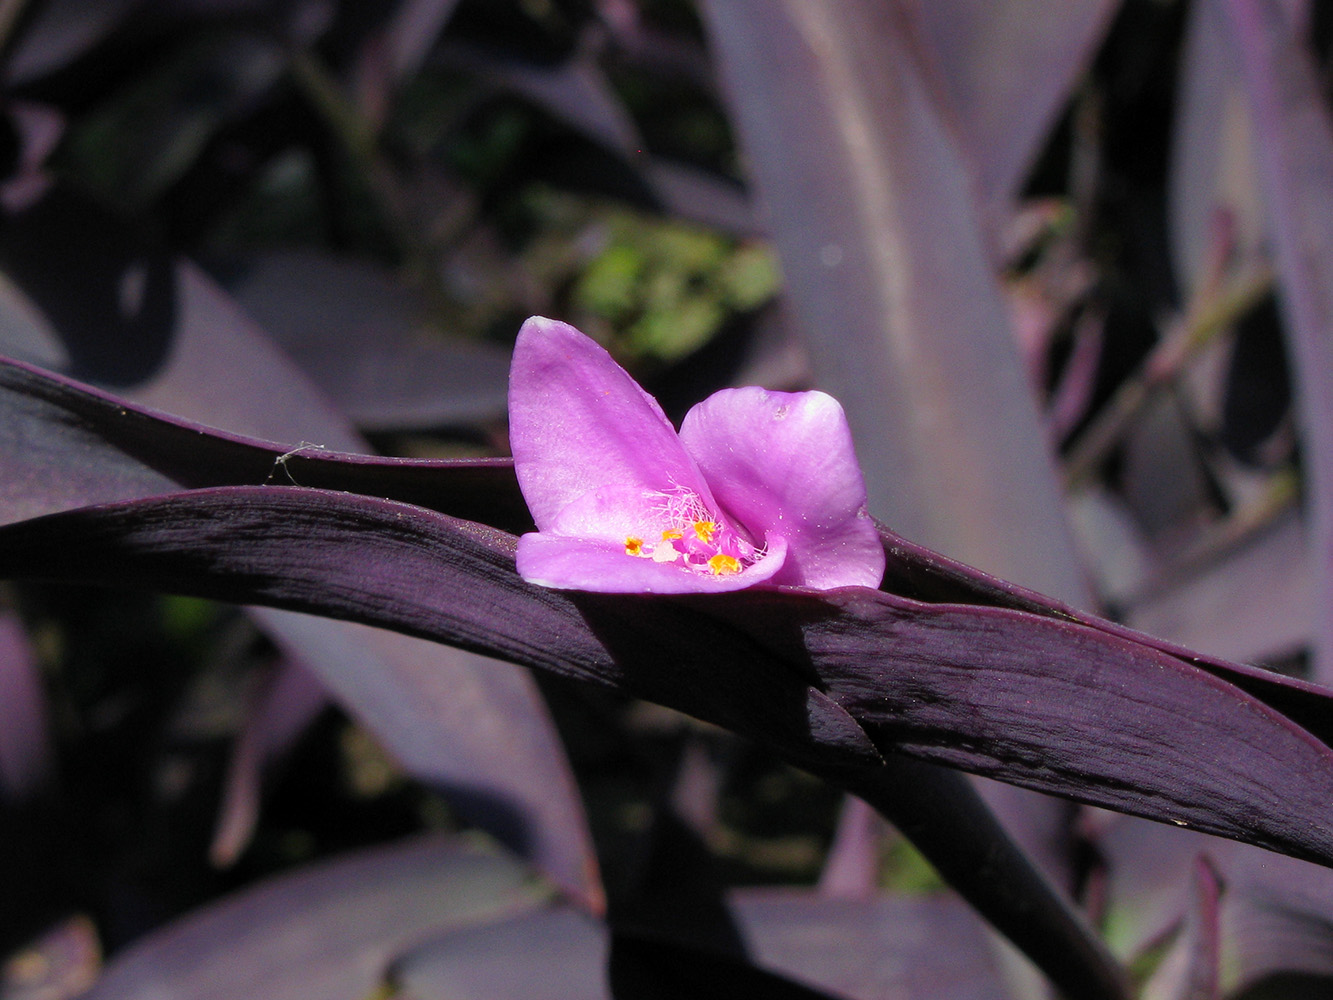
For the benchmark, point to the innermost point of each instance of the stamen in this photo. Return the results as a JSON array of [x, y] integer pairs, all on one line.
[[705, 530], [671, 534], [634, 546], [724, 565]]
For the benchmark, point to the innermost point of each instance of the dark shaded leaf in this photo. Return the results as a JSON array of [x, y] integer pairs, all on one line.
[[67, 446], [1274, 911], [553, 954], [290, 700], [1047, 704], [329, 931], [412, 31], [910, 947], [61, 31], [25, 748], [358, 334], [1009, 68], [575, 91], [645, 968], [1213, 608], [412, 568]]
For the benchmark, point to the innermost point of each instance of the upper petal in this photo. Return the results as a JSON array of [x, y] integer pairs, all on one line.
[[578, 424], [782, 463]]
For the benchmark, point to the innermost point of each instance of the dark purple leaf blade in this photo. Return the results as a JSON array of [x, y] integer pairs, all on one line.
[[98, 424], [1047, 704], [328, 931], [291, 548], [1294, 133], [66, 445]]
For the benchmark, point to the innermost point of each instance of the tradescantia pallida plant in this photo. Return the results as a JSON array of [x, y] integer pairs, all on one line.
[[942, 665], [729, 570]]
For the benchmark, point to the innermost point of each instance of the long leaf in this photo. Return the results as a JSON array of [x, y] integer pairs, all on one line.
[[1295, 154], [1009, 67], [873, 212], [327, 932], [1047, 704]]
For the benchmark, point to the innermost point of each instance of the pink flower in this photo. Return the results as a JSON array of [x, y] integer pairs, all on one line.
[[759, 486]]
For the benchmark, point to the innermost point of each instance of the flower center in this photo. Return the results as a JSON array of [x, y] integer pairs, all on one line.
[[696, 540]]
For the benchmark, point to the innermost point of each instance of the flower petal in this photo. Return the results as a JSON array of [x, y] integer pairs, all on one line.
[[782, 463], [603, 567], [578, 423]]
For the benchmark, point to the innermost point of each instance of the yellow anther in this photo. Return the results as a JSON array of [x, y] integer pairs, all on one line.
[[634, 546], [671, 534], [724, 565], [705, 529]]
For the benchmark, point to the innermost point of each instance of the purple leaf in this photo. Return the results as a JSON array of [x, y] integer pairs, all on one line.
[[127, 314], [357, 333], [412, 31], [1009, 68], [552, 954], [328, 931], [924, 947], [1192, 968], [107, 449], [759, 486], [290, 700], [61, 31], [908, 948], [1044, 703], [118, 452], [575, 91], [690, 193], [851, 870], [888, 269], [25, 747], [872, 209], [1214, 609], [932, 807], [413, 565], [1274, 911], [1214, 199], [1295, 153]]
